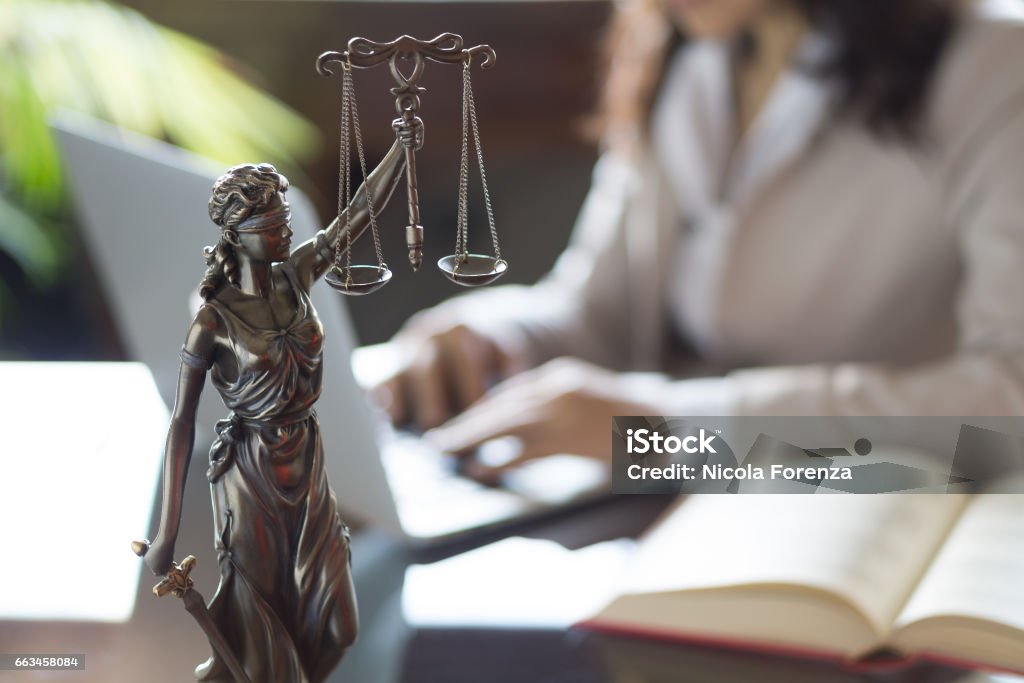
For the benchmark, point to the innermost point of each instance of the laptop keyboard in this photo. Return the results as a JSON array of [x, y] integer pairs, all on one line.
[[415, 470]]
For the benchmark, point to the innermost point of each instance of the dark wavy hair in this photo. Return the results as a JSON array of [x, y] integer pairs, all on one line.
[[886, 54], [243, 191]]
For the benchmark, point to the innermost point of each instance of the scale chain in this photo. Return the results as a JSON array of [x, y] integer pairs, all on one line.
[[461, 238], [350, 128], [480, 162], [344, 183], [469, 118], [362, 165]]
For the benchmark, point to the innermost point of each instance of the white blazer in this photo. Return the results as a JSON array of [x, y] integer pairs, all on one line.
[[821, 270]]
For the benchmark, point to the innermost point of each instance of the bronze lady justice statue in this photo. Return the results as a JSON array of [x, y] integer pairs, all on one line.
[[285, 602]]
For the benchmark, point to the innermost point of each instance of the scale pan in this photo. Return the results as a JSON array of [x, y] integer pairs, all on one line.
[[472, 270], [361, 280]]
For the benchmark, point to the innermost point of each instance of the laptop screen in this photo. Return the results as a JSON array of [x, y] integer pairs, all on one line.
[[81, 454]]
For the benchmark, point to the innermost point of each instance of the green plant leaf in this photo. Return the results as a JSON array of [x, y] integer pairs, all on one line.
[[110, 62], [27, 243]]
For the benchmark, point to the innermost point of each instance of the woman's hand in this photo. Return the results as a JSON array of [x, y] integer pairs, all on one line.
[[445, 366], [564, 406]]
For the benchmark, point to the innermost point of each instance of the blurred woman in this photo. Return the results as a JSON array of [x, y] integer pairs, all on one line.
[[802, 207]]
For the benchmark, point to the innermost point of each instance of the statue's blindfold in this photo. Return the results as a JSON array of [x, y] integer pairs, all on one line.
[[274, 218]]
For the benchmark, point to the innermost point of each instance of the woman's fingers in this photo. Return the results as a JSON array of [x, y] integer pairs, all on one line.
[[517, 407], [467, 360], [441, 374], [391, 396], [508, 421], [488, 419], [428, 392], [561, 407], [487, 471]]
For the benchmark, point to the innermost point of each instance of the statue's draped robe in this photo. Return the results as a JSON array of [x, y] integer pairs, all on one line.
[[285, 600]]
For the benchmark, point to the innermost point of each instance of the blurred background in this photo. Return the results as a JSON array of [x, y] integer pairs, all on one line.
[[234, 81]]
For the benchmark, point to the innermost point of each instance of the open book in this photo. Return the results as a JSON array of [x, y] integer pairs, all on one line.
[[834, 576]]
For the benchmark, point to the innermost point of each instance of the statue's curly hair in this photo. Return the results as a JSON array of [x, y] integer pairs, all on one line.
[[243, 191]]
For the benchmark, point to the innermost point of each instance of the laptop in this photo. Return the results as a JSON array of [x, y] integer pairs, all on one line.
[[141, 207]]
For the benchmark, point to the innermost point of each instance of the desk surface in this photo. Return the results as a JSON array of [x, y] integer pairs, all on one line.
[[514, 657], [161, 643]]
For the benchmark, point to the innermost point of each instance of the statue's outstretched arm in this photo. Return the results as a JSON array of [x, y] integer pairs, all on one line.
[[197, 356], [313, 258]]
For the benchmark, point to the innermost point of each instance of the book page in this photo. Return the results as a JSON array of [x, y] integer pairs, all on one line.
[[869, 550], [979, 572]]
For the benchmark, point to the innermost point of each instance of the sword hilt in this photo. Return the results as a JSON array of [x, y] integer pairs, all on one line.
[[180, 584], [177, 580]]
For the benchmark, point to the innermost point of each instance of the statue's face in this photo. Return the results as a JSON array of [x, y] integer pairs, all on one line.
[[713, 19], [272, 243]]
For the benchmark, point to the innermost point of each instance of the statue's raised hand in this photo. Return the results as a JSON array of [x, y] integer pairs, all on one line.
[[410, 133]]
